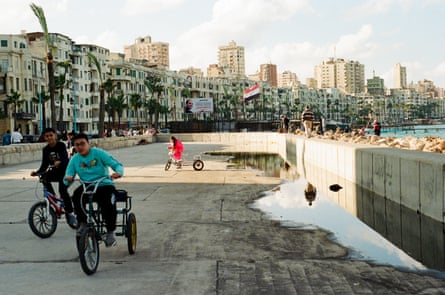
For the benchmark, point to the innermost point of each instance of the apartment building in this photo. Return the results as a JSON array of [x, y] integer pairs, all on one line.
[[346, 75], [399, 76], [268, 73], [287, 79], [22, 72], [231, 59], [155, 54]]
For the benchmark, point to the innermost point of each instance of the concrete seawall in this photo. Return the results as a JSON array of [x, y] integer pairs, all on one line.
[[410, 178]]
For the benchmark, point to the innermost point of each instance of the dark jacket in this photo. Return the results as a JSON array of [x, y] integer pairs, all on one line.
[[53, 154]]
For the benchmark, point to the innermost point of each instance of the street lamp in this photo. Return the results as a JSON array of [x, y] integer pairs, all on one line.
[[74, 109], [40, 104]]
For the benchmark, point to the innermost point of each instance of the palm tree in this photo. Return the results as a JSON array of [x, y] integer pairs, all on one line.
[[93, 60], [60, 82], [39, 13], [120, 106], [42, 97], [110, 111], [151, 106], [136, 103], [153, 84], [14, 99]]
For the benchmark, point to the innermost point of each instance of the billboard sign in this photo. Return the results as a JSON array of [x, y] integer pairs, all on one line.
[[198, 105]]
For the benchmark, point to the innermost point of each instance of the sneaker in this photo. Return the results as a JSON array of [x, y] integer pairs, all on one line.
[[110, 239], [71, 219], [82, 226]]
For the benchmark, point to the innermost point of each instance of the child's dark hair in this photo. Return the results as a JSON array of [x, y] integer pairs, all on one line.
[[49, 129], [80, 136]]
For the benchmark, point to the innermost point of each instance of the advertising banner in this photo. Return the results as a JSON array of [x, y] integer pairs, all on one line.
[[198, 105]]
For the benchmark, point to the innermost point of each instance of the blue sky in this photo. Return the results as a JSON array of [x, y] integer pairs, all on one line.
[[293, 34]]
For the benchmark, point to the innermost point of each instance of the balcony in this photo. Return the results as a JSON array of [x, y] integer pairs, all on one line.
[[24, 116]]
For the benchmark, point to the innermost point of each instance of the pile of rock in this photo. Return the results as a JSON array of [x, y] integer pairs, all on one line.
[[432, 144]]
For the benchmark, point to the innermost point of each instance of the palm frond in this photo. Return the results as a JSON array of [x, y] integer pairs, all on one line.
[[93, 59], [40, 14]]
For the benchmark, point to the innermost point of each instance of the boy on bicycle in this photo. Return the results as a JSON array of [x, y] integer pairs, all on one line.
[[54, 155], [90, 164]]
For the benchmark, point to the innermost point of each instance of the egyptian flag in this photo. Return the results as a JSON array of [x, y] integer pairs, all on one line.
[[252, 92]]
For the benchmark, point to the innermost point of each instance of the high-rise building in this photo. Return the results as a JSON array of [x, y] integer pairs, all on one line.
[[375, 86], [268, 73], [156, 54], [231, 58], [399, 77], [346, 75], [287, 79]]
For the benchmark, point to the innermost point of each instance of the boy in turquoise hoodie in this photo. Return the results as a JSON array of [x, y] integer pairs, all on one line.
[[90, 164]]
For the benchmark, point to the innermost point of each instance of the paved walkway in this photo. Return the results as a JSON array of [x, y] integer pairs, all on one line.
[[196, 235]]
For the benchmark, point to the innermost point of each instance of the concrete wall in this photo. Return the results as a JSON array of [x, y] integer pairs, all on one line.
[[27, 152], [411, 178]]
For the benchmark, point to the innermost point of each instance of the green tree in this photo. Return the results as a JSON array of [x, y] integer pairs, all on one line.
[[40, 14], [61, 82], [154, 85], [136, 103], [101, 125], [120, 105], [14, 99]]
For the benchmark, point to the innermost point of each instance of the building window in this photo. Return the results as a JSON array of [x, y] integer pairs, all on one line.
[[4, 43]]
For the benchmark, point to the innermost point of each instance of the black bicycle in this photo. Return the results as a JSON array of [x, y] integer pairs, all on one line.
[[89, 238]]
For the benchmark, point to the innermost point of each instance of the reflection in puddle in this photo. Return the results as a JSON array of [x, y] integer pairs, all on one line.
[[320, 203], [290, 205]]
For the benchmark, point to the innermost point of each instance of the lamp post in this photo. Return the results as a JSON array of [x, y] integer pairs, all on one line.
[[74, 109], [40, 104]]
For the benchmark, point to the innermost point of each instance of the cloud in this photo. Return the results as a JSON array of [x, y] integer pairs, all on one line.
[[137, 7], [241, 21], [357, 45], [372, 7], [108, 39]]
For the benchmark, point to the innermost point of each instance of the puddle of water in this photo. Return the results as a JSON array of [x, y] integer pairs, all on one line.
[[289, 205], [298, 205]]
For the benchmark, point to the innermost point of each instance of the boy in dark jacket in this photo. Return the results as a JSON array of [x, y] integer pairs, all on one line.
[[54, 154]]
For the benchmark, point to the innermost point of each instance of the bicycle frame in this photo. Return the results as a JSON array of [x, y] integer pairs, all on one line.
[[56, 202], [93, 214]]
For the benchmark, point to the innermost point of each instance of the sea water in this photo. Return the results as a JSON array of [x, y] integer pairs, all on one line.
[[418, 131]]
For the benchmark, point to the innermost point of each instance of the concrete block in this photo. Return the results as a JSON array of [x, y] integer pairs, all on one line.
[[392, 178], [431, 192], [409, 183], [378, 174]]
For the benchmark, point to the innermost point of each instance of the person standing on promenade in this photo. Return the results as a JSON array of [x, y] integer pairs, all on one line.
[[377, 127], [284, 123], [6, 139], [308, 119], [16, 136], [55, 155]]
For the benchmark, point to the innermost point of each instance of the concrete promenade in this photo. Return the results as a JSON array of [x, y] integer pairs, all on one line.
[[196, 235]]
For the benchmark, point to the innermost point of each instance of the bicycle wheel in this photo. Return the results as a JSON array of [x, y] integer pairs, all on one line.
[[132, 233], [88, 250], [43, 222], [198, 165], [168, 164]]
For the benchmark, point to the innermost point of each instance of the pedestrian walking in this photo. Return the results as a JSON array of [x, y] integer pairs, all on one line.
[[308, 119]]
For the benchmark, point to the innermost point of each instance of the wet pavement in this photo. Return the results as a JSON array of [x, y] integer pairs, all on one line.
[[196, 235]]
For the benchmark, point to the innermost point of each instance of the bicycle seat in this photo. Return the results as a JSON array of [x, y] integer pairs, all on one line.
[[121, 195]]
